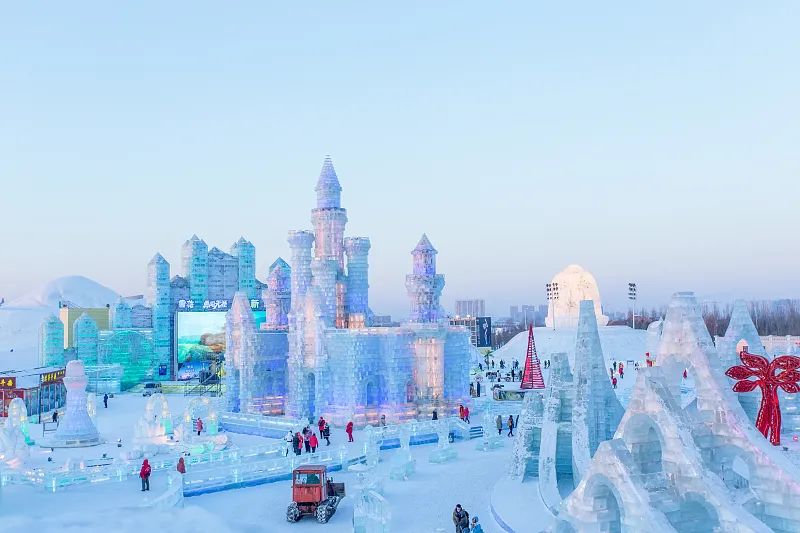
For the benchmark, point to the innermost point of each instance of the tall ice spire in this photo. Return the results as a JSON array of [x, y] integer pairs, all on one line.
[[329, 191]]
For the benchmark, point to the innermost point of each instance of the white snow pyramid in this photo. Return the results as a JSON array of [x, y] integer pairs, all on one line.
[[700, 468]]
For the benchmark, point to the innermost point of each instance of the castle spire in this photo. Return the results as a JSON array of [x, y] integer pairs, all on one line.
[[328, 189]]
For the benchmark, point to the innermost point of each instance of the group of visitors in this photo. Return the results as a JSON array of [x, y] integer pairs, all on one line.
[[509, 424], [146, 470], [616, 369], [306, 440], [475, 389], [462, 522]]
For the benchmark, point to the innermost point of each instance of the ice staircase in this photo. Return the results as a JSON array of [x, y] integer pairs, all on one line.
[[213, 388], [475, 432]]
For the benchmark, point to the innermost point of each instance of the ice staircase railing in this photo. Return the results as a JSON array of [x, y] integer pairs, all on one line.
[[171, 497], [54, 480]]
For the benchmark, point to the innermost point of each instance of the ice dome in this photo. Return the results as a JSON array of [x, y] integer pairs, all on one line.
[[574, 284]]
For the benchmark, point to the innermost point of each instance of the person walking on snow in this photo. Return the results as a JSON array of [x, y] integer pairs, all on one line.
[[461, 411], [621, 373], [684, 373], [435, 415], [326, 433], [313, 442], [615, 366], [199, 426], [476, 527], [614, 382], [297, 443], [466, 414], [181, 466], [307, 439], [458, 513], [289, 439], [320, 424], [349, 430], [144, 473], [510, 426], [499, 423], [105, 400]]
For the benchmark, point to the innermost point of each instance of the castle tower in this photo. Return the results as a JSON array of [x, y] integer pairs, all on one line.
[[123, 315], [300, 243], [245, 252], [86, 334], [278, 295], [324, 272], [158, 297], [357, 297], [51, 342], [194, 264], [240, 354], [424, 285], [329, 219]]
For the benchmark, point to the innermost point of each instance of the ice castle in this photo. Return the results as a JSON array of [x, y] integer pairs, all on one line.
[[340, 367]]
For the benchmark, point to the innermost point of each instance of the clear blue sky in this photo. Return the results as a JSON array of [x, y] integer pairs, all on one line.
[[653, 143]]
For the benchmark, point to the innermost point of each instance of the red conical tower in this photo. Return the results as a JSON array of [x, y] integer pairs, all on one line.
[[532, 375]]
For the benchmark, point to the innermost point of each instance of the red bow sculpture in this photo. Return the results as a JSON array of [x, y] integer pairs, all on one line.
[[768, 420]]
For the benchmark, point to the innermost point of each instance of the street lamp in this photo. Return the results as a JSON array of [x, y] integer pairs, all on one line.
[[552, 296], [632, 298]]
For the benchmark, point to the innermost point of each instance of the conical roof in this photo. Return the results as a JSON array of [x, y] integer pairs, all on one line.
[[424, 245], [158, 259], [328, 188]]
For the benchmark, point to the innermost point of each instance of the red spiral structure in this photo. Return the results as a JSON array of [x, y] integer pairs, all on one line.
[[768, 420]]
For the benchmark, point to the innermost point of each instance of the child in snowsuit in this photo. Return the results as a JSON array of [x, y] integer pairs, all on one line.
[[476, 527]]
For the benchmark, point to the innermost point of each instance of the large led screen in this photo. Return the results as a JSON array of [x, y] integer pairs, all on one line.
[[200, 339]]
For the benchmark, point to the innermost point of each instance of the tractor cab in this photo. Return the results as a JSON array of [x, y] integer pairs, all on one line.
[[313, 492]]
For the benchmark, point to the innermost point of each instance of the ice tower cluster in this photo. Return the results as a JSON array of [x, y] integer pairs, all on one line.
[[339, 366], [685, 468]]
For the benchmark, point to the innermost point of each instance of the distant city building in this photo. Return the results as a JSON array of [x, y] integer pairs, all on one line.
[[475, 307], [468, 322], [101, 316], [525, 314]]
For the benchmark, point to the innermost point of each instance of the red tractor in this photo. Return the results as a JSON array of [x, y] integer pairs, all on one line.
[[313, 492]]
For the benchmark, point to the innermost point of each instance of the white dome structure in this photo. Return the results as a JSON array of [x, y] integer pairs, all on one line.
[[573, 285]]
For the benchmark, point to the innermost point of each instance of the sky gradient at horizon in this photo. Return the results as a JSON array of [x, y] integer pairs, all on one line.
[[647, 143]]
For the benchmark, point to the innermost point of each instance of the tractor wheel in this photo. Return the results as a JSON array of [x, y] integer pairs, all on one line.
[[292, 513], [322, 513]]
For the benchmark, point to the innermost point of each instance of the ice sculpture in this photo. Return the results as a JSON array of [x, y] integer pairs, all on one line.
[[703, 467], [491, 440], [557, 477], [403, 463], [51, 342], [278, 296], [741, 334], [240, 332], [371, 513], [155, 425], [245, 253], [525, 455], [574, 285], [76, 428], [86, 336], [15, 435], [158, 297], [445, 451], [123, 315], [341, 368], [210, 438]]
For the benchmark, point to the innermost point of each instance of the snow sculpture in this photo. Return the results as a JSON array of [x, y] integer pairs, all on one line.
[[525, 455], [15, 435], [653, 338], [76, 428], [51, 342], [574, 285], [341, 368], [741, 334], [703, 467]]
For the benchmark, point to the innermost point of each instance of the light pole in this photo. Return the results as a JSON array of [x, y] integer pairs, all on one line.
[[552, 296], [632, 298]]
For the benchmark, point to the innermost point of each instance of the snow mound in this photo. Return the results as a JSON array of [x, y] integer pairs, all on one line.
[[77, 291]]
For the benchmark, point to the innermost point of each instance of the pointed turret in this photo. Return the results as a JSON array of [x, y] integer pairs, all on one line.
[[158, 259], [328, 189], [424, 245]]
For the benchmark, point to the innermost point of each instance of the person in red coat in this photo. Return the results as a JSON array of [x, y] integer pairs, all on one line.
[[349, 430], [312, 440], [461, 411], [181, 466], [144, 473], [299, 443], [321, 424], [199, 426], [466, 414]]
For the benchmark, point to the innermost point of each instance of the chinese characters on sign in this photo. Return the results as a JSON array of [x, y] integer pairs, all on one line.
[[213, 305], [8, 383], [51, 377]]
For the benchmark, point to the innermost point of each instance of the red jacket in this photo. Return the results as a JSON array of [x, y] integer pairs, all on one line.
[[313, 440], [145, 471], [321, 424], [349, 427], [466, 412], [181, 466], [199, 424]]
